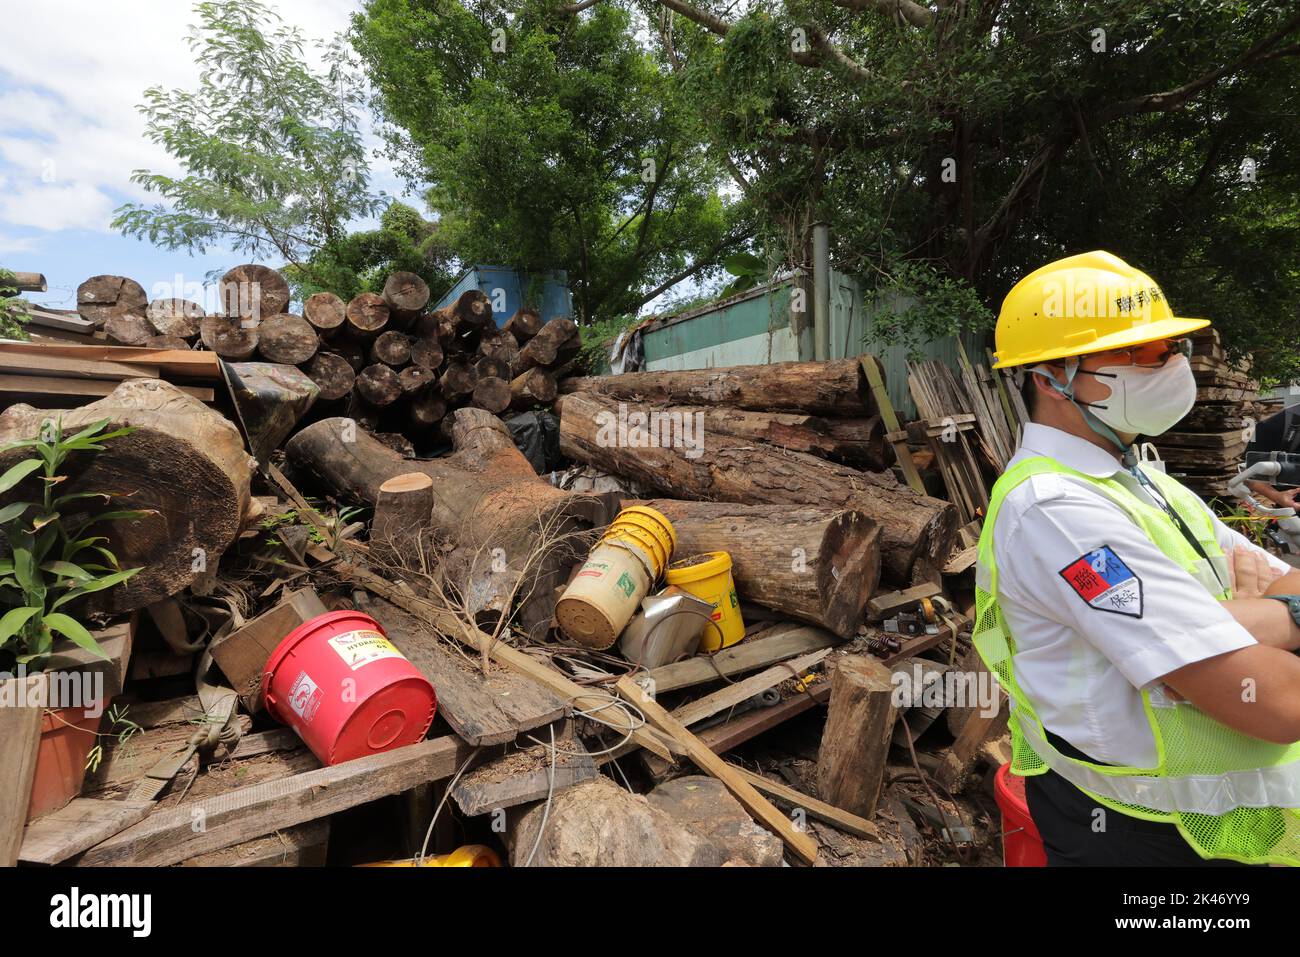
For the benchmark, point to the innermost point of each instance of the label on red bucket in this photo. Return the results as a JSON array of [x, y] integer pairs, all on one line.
[[305, 697], [360, 648]]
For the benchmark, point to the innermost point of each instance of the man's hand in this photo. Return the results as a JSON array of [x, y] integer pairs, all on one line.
[[1251, 573], [1278, 498]]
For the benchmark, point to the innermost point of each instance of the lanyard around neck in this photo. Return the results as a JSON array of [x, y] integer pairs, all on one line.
[[1172, 512]]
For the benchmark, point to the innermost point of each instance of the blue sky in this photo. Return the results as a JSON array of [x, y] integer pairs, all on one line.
[[70, 135]]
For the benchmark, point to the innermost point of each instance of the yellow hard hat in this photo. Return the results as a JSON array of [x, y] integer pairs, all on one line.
[[1093, 302]]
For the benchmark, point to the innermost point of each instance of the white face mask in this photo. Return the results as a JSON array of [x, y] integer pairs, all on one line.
[[1146, 401]]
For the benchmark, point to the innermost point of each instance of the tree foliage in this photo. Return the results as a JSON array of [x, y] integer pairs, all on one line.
[[273, 160], [551, 142], [970, 142]]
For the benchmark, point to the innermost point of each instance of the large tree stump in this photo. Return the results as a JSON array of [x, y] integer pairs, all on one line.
[[184, 462], [487, 500], [402, 524], [683, 460], [855, 742], [816, 564], [534, 387], [253, 292], [101, 297], [837, 387]]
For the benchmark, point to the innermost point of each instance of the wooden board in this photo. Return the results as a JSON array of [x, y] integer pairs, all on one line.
[[27, 363], [170, 836], [838, 818], [733, 694], [242, 654], [503, 783], [302, 846], [115, 641], [482, 710], [170, 362], [803, 846], [20, 739], [749, 655], [62, 387], [80, 825]]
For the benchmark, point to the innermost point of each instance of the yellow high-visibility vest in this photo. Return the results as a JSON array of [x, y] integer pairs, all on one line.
[[1231, 796]]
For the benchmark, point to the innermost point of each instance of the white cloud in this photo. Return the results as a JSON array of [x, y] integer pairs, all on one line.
[[70, 134]]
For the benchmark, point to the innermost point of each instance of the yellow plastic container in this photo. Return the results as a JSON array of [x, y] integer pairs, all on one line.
[[471, 855], [710, 579], [604, 595], [649, 530]]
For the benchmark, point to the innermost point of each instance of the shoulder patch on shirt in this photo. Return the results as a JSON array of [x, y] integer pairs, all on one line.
[[1101, 578]]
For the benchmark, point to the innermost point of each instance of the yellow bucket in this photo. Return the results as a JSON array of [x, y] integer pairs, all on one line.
[[708, 576], [604, 595], [471, 855], [647, 529]]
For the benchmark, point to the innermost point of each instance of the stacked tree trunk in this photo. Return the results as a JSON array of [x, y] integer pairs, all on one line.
[[384, 359], [1205, 448], [788, 434]]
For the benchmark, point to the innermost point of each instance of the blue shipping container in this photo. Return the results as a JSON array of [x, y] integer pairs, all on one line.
[[506, 290]]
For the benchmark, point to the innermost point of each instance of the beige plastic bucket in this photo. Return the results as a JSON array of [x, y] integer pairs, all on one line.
[[603, 596]]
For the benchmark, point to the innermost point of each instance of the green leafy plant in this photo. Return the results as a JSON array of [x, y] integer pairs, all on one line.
[[748, 269], [52, 560], [13, 311], [123, 729]]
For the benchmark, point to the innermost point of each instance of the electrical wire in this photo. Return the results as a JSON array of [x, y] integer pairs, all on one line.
[[546, 810], [419, 861]]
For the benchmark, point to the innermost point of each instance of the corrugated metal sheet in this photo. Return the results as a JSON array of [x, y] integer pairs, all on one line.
[[755, 328]]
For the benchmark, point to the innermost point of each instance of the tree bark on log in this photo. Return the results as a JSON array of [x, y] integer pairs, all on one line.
[[473, 310], [555, 342], [287, 339], [325, 311], [523, 325], [820, 565], [102, 297], [855, 742], [175, 317], [253, 292], [684, 463], [228, 338], [332, 374], [402, 524], [184, 461], [534, 387], [857, 442], [487, 500], [838, 387]]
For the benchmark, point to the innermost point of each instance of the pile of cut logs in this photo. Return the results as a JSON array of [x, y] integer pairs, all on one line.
[[1204, 449], [383, 359], [788, 434]]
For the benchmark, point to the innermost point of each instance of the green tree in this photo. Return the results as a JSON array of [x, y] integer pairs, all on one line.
[[954, 146], [273, 158], [361, 261], [551, 141]]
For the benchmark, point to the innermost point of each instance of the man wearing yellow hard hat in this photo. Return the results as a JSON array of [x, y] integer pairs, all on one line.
[[1146, 647]]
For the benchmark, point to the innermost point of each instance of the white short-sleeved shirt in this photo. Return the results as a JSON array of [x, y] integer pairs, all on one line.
[[1065, 554]]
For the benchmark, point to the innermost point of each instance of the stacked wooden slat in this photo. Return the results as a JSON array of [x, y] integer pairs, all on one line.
[[57, 375], [384, 358], [947, 425], [1205, 448]]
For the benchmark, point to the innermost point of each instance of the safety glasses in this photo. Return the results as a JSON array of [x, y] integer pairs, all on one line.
[[1150, 355]]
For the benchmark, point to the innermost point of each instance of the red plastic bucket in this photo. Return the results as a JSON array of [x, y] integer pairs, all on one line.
[[340, 683], [1022, 846]]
